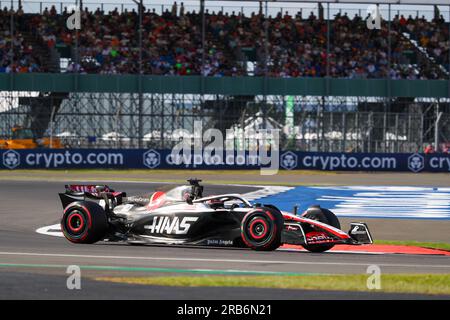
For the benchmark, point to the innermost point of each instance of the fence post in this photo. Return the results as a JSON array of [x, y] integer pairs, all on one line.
[[396, 132], [421, 131], [141, 96], [436, 128], [344, 132], [389, 57], [370, 131]]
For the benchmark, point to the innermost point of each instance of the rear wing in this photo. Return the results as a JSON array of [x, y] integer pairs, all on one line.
[[90, 188], [101, 194]]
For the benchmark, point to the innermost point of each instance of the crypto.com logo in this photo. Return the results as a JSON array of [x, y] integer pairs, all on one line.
[[11, 159], [73, 22], [416, 162], [152, 159], [374, 19], [289, 160]]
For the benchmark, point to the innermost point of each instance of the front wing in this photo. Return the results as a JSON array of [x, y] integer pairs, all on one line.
[[302, 231]]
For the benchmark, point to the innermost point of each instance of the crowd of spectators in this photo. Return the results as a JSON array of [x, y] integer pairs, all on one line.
[[16, 55], [432, 35], [235, 45]]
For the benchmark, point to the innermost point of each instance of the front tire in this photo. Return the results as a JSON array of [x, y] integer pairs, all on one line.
[[325, 216], [261, 229], [84, 222]]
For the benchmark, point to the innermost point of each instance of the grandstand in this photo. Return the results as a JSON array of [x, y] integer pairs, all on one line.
[[115, 84]]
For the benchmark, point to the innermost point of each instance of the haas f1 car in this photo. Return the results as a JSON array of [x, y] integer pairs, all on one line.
[[183, 216]]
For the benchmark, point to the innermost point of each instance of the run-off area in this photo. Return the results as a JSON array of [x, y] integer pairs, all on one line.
[[369, 201]]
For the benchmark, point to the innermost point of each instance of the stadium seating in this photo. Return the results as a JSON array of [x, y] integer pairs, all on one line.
[[235, 45]]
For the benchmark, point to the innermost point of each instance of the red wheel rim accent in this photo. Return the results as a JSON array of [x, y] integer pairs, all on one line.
[[265, 229], [70, 225]]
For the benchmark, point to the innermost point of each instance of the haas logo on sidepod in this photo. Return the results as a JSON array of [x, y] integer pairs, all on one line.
[[170, 225]]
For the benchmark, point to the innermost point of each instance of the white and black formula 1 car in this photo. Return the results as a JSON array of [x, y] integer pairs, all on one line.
[[182, 216]]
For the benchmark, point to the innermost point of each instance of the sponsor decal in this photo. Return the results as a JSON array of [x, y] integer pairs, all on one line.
[[152, 159], [166, 159], [86, 188], [11, 159], [356, 230], [290, 227], [335, 161], [416, 162], [170, 225], [318, 237], [219, 242], [289, 160], [440, 163]]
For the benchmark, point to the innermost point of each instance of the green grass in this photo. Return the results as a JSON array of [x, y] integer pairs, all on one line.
[[175, 181], [432, 245], [165, 171], [176, 176], [404, 283]]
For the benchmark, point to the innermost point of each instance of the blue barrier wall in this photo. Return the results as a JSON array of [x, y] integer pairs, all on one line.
[[161, 159]]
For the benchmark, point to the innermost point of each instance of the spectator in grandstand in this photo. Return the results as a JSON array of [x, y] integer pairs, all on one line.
[[181, 9], [174, 9], [429, 149], [446, 148]]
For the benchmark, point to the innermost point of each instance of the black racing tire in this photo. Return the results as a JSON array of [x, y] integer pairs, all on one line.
[[84, 222], [325, 216], [261, 229]]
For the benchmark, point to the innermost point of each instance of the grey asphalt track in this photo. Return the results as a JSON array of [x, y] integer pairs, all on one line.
[[31, 262]]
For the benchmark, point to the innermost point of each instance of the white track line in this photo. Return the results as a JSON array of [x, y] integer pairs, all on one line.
[[46, 230], [61, 255], [334, 251]]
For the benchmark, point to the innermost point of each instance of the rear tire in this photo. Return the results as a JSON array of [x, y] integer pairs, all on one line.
[[261, 229], [84, 222], [325, 216]]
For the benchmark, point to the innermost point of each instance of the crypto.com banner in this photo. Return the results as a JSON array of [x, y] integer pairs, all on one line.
[[164, 159]]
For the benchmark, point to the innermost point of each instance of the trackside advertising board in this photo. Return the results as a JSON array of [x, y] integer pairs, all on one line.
[[164, 159]]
